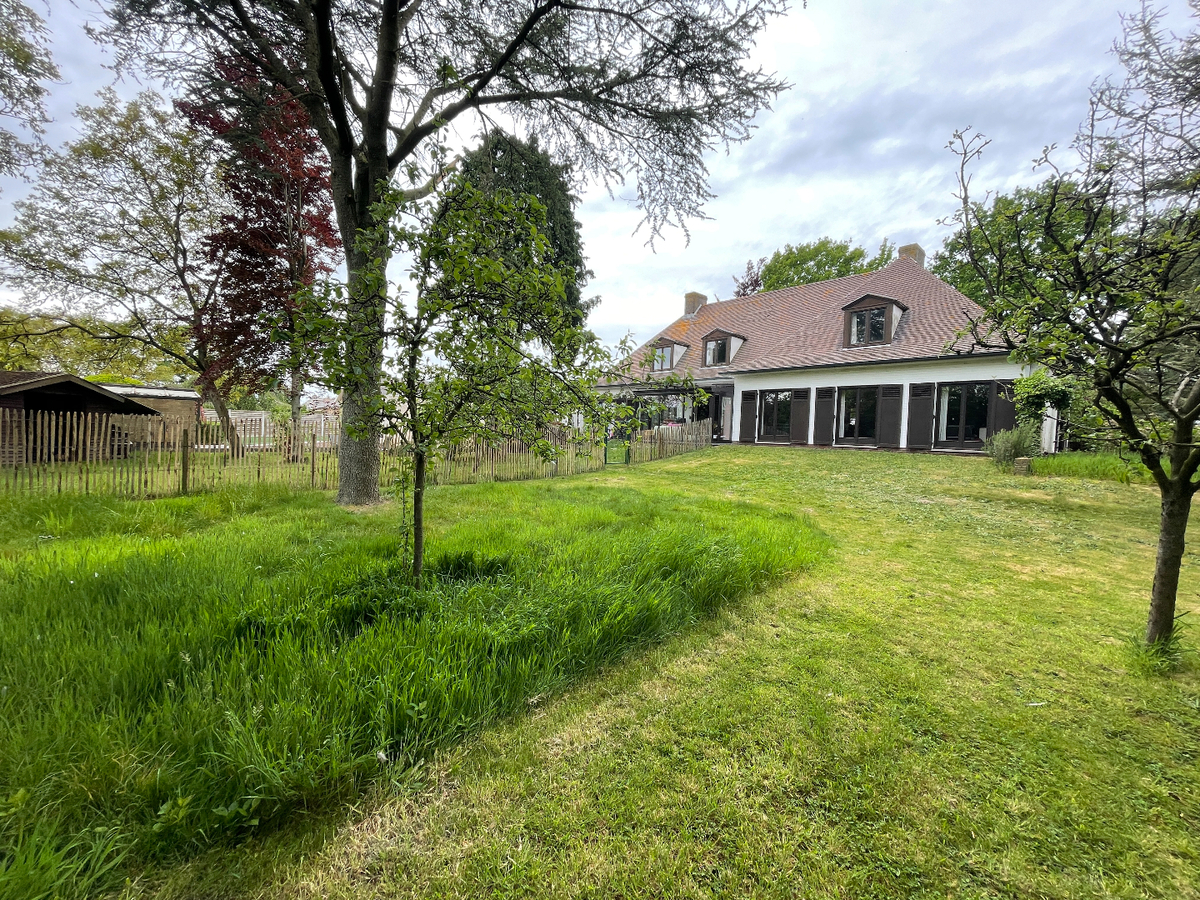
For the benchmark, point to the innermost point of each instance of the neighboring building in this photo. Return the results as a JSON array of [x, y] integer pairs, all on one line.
[[871, 360], [56, 392], [178, 402]]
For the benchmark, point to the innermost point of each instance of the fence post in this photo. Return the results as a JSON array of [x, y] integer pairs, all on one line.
[[312, 461], [186, 449]]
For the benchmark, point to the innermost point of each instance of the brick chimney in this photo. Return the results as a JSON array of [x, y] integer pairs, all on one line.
[[692, 302], [913, 251]]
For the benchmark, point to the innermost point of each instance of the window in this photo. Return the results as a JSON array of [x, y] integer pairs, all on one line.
[[662, 358], [868, 326], [857, 413], [776, 415], [962, 413], [716, 352]]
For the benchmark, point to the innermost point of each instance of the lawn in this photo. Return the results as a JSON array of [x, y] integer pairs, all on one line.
[[186, 673], [941, 708], [938, 704]]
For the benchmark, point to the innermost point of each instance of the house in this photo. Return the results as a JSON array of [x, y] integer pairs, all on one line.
[[871, 360], [57, 392]]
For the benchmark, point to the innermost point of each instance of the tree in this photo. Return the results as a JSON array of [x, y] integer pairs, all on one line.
[[486, 348], [820, 260], [40, 343], [751, 281], [1095, 274], [646, 86], [504, 162], [111, 243], [279, 236], [25, 63]]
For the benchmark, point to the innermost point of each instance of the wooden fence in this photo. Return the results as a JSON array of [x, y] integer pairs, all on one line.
[[155, 456]]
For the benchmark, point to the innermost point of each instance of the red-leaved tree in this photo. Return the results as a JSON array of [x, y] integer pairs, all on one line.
[[279, 238]]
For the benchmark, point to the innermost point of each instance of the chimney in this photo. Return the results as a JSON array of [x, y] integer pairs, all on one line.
[[692, 302], [913, 251]]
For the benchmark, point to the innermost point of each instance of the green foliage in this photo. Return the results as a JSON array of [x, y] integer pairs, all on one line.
[[820, 260], [503, 162], [1032, 394], [40, 343], [25, 64], [1006, 446], [187, 671]]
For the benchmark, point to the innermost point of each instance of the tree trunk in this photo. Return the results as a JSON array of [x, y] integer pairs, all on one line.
[[358, 456], [418, 516], [295, 390], [1176, 507], [231, 435]]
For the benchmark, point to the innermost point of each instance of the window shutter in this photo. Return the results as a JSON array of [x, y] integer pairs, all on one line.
[[799, 430], [749, 428], [823, 427], [920, 417], [1002, 411], [891, 398]]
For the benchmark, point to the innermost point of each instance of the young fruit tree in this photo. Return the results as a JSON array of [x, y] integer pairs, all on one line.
[[1095, 275], [483, 345], [628, 86]]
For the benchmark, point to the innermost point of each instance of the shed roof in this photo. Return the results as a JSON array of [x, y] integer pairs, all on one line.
[[20, 382]]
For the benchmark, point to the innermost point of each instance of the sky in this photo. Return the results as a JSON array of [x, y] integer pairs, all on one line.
[[856, 149]]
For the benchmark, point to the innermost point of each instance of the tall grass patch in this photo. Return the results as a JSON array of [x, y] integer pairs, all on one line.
[[187, 672], [1097, 466]]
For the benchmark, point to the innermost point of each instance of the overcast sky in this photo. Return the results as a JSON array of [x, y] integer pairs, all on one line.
[[856, 149]]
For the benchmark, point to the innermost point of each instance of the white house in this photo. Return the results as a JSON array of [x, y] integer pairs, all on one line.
[[873, 360]]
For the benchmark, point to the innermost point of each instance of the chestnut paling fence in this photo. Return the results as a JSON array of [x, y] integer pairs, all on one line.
[[155, 456]]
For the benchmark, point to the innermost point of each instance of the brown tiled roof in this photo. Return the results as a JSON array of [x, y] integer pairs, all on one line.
[[801, 327], [7, 378]]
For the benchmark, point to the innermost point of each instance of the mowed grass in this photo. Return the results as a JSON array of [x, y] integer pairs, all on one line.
[[942, 708], [183, 673]]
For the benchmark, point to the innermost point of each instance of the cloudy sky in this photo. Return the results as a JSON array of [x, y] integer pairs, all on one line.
[[856, 149]]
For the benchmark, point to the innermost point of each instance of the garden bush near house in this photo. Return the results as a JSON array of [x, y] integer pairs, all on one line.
[[1006, 446], [165, 689]]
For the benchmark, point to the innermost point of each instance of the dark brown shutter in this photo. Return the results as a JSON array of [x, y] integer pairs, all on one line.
[[920, 417], [749, 430], [1002, 412], [891, 398], [823, 427], [799, 431]]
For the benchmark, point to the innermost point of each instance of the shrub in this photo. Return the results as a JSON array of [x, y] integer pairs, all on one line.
[[1005, 446]]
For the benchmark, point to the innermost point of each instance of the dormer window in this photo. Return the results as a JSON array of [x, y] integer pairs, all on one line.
[[868, 326], [872, 320], [716, 352], [662, 360]]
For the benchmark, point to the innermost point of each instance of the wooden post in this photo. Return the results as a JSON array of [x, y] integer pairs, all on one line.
[[312, 460], [185, 449]]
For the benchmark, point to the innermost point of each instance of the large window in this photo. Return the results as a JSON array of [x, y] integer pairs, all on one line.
[[662, 358], [857, 412], [962, 414], [868, 326], [775, 423], [716, 352]]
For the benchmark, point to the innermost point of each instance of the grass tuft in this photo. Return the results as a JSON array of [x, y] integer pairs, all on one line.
[[1159, 659]]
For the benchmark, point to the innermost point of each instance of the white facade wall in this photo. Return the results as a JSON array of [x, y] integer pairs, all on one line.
[[904, 373]]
